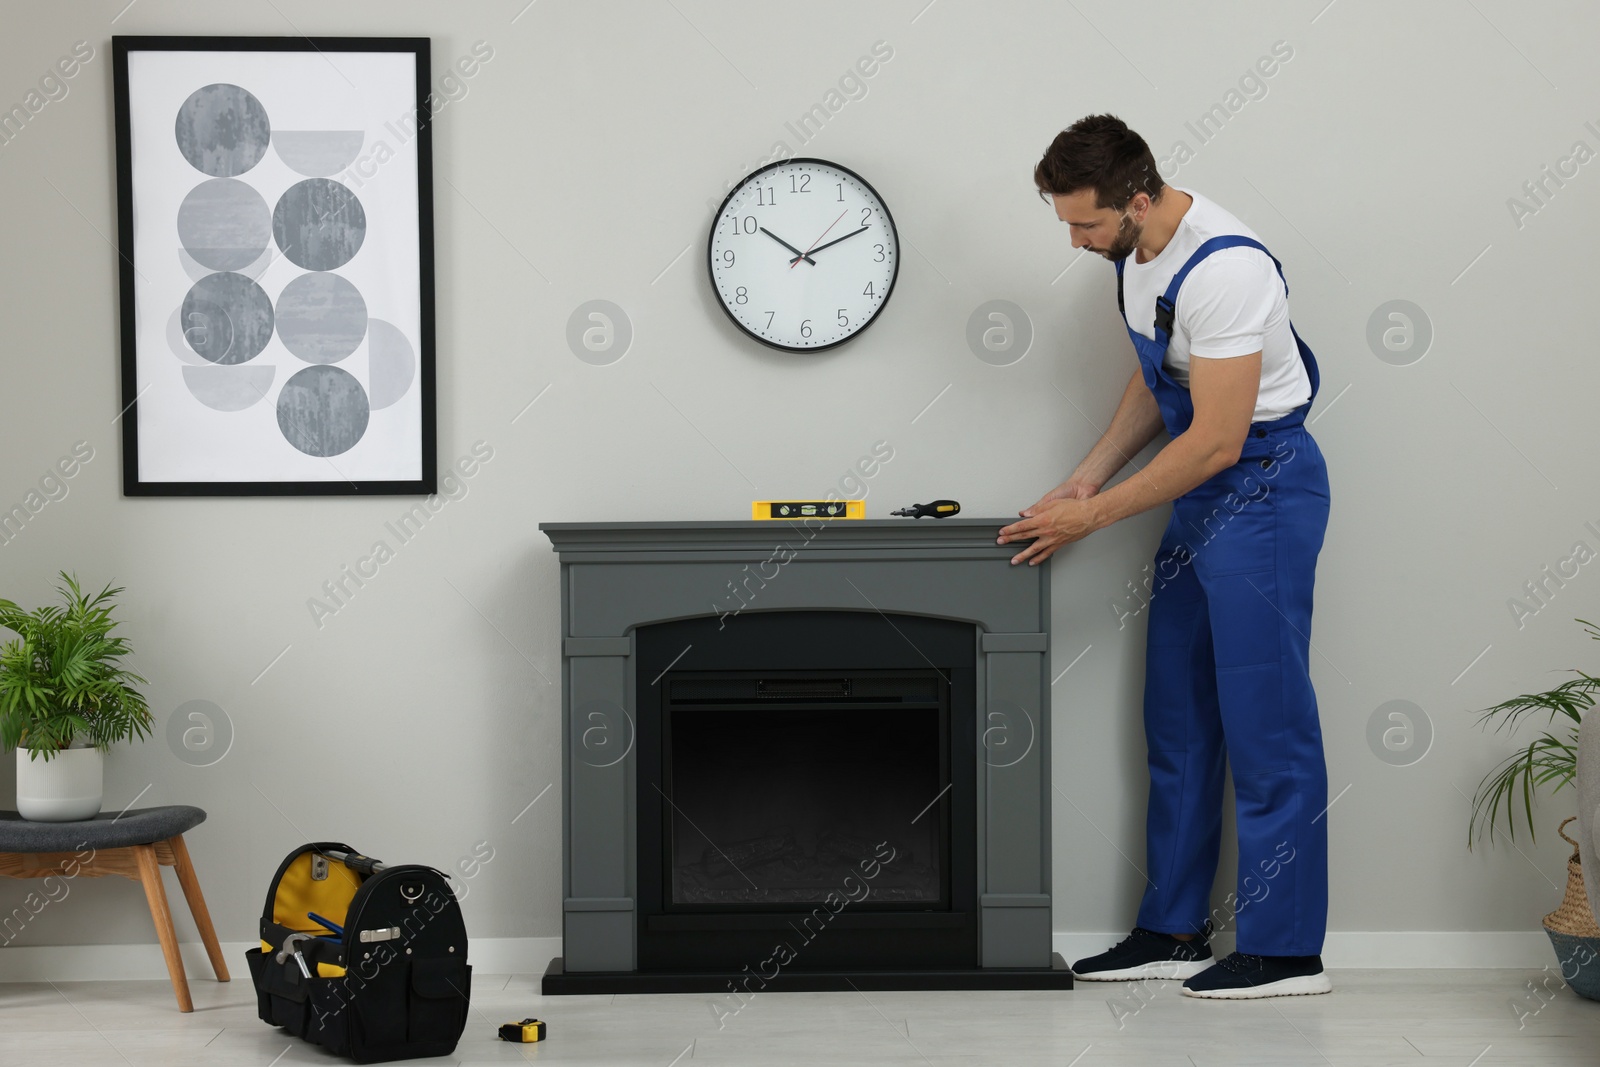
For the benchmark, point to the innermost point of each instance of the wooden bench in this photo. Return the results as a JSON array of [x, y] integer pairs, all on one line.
[[135, 844]]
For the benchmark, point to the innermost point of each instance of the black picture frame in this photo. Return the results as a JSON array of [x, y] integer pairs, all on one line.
[[423, 345]]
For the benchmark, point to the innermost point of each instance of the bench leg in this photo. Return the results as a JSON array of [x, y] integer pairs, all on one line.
[[197, 905], [156, 895]]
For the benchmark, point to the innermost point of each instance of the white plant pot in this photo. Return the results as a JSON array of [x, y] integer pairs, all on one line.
[[65, 788]]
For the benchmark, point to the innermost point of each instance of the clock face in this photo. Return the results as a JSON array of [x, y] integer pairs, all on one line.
[[803, 255]]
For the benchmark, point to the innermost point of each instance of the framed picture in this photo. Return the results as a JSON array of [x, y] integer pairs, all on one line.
[[275, 216]]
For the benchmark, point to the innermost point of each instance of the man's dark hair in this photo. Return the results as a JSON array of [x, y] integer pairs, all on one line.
[[1099, 152]]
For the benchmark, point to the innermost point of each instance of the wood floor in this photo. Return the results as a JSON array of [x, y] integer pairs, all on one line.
[[1372, 1019]]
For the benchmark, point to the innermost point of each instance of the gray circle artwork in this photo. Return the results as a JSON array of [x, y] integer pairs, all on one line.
[[176, 342], [1399, 733], [319, 224], [323, 411], [230, 388], [1399, 332], [226, 318], [318, 153], [391, 363], [199, 733], [224, 224], [222, 130], [999, 332], [1008, 734], [607, 733], [321, 317], [599, 332]]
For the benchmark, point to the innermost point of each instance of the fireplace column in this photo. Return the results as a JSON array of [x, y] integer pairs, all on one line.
[[598, 765]]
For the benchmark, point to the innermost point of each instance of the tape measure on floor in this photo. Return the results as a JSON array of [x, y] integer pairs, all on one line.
[[527, 1031]]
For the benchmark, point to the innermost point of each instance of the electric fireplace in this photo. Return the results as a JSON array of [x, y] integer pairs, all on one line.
[[831, 770], [780, 752]]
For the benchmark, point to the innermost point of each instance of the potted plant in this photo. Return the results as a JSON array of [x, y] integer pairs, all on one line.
[[65, 699], [1550, 759]]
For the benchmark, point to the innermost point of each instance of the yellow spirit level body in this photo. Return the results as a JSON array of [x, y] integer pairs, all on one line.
[[788, 510]]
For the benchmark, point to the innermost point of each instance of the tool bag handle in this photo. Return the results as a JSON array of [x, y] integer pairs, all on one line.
[[358, 863]]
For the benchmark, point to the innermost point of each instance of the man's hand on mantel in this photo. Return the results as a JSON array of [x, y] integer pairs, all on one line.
[[1051, 525]]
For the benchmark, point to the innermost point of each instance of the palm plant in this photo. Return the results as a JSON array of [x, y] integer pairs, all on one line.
[[1549, 757], [61, 678]]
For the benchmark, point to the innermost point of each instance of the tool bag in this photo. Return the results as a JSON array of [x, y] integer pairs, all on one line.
[[380, 973]]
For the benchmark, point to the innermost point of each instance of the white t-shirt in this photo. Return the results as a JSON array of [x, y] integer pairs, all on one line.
[[1231, 304]]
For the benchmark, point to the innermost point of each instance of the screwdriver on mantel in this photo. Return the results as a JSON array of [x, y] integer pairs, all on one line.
[[938, 509]]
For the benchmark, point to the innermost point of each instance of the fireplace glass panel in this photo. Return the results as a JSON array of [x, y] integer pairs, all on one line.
[[781, 787]]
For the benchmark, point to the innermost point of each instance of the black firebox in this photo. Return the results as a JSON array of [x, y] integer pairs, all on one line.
[[806, 792]]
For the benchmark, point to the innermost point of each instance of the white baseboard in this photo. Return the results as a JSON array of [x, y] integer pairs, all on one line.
[[99, 963], [531, 955], [1378, 949], [512, 955], [1438, 948]]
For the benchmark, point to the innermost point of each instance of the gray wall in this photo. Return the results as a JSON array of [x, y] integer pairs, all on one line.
[[579, 164]]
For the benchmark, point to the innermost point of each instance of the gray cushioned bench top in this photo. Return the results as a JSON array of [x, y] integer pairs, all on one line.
[[109, 829]]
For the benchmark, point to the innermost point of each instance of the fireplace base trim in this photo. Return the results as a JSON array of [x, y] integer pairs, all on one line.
[[559, 982]]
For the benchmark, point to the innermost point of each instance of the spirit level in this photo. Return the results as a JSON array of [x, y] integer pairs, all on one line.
[[808, 509]]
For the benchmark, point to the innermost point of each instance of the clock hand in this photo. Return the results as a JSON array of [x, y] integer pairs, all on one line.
[[798, 254], [820, 236], [835, 241]]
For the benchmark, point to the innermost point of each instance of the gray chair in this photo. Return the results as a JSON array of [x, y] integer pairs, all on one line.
[[1589, 806], [135, 844]]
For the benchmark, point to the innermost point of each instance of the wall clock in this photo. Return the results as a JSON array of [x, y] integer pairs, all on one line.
[[803, 255]]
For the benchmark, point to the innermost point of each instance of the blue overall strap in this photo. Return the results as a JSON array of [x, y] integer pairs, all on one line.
[[1166, 309], [1166, 304]]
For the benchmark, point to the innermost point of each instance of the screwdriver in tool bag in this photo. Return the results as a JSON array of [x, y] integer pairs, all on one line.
[[338, 931]]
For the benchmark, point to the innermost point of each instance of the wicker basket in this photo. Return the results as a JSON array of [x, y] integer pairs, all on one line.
[[1573, 932], [1574, 917]]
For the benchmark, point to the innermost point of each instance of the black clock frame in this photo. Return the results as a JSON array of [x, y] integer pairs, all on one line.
[[711, 268]]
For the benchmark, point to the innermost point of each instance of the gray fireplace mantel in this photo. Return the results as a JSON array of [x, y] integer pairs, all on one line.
[[617, 576]]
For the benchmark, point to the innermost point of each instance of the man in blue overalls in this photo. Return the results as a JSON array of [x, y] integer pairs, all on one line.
[[1227, 673]]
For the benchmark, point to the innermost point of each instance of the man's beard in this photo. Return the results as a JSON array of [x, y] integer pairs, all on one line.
[[1127, 239]]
